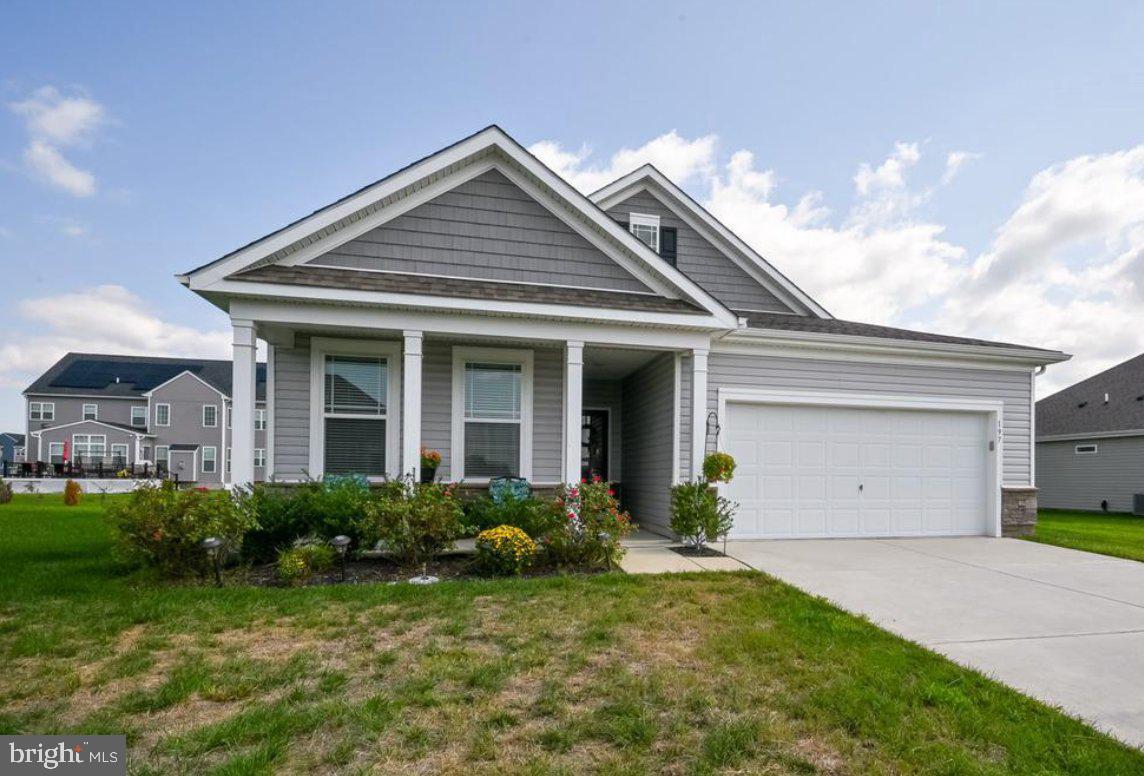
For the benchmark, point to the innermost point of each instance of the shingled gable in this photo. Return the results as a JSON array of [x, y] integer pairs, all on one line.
[[390, 197]]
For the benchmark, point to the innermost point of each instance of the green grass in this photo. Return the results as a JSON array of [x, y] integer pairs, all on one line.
[[689, 674], [1118, 535]]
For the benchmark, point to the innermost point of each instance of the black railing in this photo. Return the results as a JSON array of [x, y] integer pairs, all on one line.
[[111, 467]]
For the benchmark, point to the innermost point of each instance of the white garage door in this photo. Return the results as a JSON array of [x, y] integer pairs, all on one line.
[[812, 471]]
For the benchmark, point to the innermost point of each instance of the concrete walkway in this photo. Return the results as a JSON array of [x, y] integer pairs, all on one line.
[[1064, 626], [649, 553]]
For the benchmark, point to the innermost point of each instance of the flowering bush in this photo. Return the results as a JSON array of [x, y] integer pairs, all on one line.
[[72, 493], [593, 526], [309, 556], [430, 459], [414, 521], [718, 467], [505, 550]]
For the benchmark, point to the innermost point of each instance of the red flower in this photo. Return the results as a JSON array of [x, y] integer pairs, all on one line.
[[611, 492]]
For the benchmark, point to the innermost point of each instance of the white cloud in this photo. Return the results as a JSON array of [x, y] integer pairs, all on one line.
[[54, 121], [1065, 269], [72, 229]]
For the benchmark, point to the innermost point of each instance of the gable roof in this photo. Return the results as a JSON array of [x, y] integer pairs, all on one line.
[[98, 374], [139, 432], [15, 438], [387, 198], [1081, 408], [648, 178]]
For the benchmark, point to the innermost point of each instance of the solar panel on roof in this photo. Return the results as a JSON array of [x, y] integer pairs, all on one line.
[[97, 374]]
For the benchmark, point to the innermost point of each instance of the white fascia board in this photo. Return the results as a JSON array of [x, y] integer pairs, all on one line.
[[98, 396], [839, 347], [242, 288], [136, 432], [151, 392], [707, 225], [1132, 432], [373, 321]]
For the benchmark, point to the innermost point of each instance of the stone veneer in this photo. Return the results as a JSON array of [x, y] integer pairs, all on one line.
[[1018, 511]]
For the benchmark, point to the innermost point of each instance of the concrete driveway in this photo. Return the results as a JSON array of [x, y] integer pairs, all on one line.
[[1064, 626]]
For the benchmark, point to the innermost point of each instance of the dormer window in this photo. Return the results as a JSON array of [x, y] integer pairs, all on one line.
[[646, 229]]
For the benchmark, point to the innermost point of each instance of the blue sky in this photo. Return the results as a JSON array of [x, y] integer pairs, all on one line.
[[953, 165]]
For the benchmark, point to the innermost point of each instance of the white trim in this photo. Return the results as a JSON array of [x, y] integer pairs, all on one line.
[[42, 405], [521, 357], [647, 220], [698, 411], [573, 409], [168, 407], [204, 416], [709, 228], [105, 424], [1094, 451], [194, 462], [258, 450], [101, 397], [411, 397], [126, 450], [676, 418], [166, 382], [131, 415], [320, 347], [271, 366], [167, 459], [1032, 428], [994, 410], [89, 437], [50, 446], [214, 459], [94, 410], [1135, 432]]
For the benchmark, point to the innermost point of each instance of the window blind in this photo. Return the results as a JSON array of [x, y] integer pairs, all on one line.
[[355, 446], [492, 391], [492, 449], [356, 385]]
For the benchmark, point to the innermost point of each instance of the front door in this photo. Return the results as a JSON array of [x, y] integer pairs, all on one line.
[[594, 445]]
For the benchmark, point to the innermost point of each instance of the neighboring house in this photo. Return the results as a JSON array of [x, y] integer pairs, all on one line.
[[474, 302], [121, 410], [11, 447], [1090, 441]]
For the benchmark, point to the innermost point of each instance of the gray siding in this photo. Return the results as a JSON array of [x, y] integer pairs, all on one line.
[[1066, 480], [485, 228], [292, 410], [69, 409], [1012, 388], [648, 395], [437, 402], [187, 395], [703, 262], [114, 437]]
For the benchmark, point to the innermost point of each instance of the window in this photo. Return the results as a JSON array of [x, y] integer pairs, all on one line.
[[88, 447], [210, 460], [41, 410], [162, 414], [163, 455], [668, 240], [259, 456], [492, 413], [1085, 449], [260, 420], [229, 416], [139, 416], [119, 455], [227, 460], [55, 452], [91, 412], [355, 409], [210, 416], [646, 229]]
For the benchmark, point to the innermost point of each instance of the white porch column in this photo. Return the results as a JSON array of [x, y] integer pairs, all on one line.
[[698, 411], [573, 408], [411, 405], [242, 398]]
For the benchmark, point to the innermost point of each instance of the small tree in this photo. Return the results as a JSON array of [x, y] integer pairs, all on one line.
[[72, 493], [699, 514], [5, 492]]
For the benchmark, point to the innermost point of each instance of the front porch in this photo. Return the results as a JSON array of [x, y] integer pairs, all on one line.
[[494, 397]]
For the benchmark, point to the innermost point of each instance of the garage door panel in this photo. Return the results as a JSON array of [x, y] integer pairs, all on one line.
[[800, 468]]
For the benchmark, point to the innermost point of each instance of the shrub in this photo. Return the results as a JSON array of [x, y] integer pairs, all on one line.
[[161, 527], [699, 514], [414, 522], [505, 549], [591, 528], [298, 564], [72, 493], [531, 515], [5, 492], [718, 467]]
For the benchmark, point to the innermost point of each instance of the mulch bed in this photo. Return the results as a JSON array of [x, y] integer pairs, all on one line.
[[380, 570], [705, 551]]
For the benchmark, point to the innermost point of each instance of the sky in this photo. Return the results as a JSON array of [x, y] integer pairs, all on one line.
[[973, 168]]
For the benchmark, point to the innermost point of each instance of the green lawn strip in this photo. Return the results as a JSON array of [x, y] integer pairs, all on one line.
[[698, 673], [1121, 536]]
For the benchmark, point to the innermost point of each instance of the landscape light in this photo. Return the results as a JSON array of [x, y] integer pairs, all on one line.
[[213, 544]]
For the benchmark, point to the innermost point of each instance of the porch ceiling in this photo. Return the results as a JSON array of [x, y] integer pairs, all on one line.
[[614, 363]]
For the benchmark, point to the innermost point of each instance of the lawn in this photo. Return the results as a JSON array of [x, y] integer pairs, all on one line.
[[1119, 535], [700, 673]]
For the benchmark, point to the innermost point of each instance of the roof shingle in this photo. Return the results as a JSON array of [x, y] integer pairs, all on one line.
[[99, 374], [1081, 409]]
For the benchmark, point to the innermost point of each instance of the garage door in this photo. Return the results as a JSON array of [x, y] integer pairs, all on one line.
[[830, 471]]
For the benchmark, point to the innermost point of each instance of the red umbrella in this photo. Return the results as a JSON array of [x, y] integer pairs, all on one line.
[[67, 451]]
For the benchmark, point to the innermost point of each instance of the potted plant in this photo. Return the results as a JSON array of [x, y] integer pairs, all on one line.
[[718, 467], [430, 460]]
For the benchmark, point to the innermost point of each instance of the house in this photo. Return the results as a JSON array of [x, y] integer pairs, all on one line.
[[11, 447], [1090, 441], [475, 303], [113, 412]]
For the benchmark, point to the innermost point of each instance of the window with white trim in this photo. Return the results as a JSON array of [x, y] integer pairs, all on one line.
[[55, 452], [646, 229], [259, 456], [162, 414], [119, 454], [91, 412], [260, 419], [41, 410], [492, 413], [210, 416], [356, 412], [1085, 449], [139, 416], [163, 455], [88, 447], [210, 460], [229, 416]]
